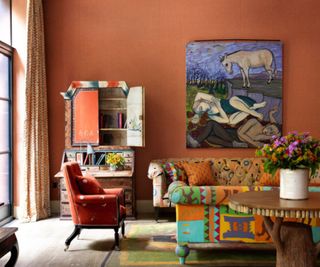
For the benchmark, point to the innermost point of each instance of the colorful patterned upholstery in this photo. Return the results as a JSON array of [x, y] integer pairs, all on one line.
[[209, 195], [173, 172], [202, 212], [200, 221], [226, 171], [199, 173]]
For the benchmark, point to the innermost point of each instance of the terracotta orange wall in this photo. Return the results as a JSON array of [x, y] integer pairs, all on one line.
[[143, 42]]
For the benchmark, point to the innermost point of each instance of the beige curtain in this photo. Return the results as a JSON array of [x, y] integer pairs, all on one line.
[[36, 201]]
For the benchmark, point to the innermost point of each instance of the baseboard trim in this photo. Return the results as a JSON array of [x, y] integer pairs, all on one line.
[[16, 212], [55, 206], [145, 206]]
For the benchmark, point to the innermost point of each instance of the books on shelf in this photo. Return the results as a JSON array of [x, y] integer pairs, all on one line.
[[120, 119], [86, 160], [79, 158], [117, 120]]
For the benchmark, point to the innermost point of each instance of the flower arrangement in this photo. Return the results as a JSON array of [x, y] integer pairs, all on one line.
[[115, 160], [293, 151]]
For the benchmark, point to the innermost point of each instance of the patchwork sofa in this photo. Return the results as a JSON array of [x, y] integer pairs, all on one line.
[[202, 213]]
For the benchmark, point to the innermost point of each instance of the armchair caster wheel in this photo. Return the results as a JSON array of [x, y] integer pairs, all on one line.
[[66, 248]]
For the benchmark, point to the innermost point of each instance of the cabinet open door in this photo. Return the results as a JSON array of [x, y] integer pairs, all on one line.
[[104, 113], [85, 112], [136, 117]]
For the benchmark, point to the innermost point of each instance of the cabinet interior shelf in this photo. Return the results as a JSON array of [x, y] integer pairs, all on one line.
[[108, 109], [112, 98], [113, 129]]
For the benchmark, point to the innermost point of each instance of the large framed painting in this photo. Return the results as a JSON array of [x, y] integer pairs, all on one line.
[[234, 93]]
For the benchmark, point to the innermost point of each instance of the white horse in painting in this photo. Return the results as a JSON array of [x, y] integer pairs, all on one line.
[[250, 59]]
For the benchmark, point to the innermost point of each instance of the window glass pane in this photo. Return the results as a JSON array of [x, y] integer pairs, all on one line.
[[4, 75], [4, 179], [5, 27], [4, 128]]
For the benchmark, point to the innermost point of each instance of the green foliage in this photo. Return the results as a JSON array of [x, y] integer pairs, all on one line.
[[192, 90], [293, 151], [220, 90], [115, 159]]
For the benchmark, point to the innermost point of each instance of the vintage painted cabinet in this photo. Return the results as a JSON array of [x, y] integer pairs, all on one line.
[[109, 116]]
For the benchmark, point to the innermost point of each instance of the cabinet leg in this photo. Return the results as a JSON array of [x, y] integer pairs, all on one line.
[[116, 239], [123, 226], [157, 212]]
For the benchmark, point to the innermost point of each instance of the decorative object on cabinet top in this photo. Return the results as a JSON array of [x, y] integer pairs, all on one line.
[[93, 84]]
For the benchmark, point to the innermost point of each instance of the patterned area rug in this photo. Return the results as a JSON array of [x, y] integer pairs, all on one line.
[[153, 244]]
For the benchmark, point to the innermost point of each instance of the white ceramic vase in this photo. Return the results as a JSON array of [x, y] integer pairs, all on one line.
[[294, 184], [113, 167]]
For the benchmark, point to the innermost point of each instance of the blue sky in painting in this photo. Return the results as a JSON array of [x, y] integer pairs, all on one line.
[[206, 55]]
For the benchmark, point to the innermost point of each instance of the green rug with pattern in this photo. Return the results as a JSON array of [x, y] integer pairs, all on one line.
[[153, 244]]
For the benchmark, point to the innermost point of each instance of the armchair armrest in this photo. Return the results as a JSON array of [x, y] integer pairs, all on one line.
[[118, 192], [97, 199]]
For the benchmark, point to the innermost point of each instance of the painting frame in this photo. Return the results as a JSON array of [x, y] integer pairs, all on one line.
[[233, 92]]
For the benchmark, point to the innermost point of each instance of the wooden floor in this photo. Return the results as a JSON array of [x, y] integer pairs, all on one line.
[[42, 244]]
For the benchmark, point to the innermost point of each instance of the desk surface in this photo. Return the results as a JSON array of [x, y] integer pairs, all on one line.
[[102, 173], [5, 232], [268, 203]]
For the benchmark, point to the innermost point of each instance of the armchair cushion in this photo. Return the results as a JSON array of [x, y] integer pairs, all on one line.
[[89, 185]]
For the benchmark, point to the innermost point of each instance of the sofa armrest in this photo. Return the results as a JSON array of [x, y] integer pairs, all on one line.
[[208, 195], [154, 170]]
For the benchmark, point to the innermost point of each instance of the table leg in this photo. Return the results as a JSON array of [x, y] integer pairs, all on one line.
[[14, 255], [10, 244], [293, 242]]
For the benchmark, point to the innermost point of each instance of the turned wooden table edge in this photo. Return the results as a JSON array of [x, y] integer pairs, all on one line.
[[241, 205]]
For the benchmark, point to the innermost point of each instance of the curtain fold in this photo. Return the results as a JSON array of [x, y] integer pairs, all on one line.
[[36, 187]]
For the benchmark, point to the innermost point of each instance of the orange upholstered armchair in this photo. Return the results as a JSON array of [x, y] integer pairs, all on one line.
[[91, 205]]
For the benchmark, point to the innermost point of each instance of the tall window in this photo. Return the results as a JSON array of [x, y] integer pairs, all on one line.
[[5, 111]]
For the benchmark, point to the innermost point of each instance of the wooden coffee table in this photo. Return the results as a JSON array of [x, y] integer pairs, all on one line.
[[293, 240], [9, 243]]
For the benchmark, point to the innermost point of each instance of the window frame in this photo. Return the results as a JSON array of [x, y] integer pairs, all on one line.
[[10, 14], [7, 50]]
